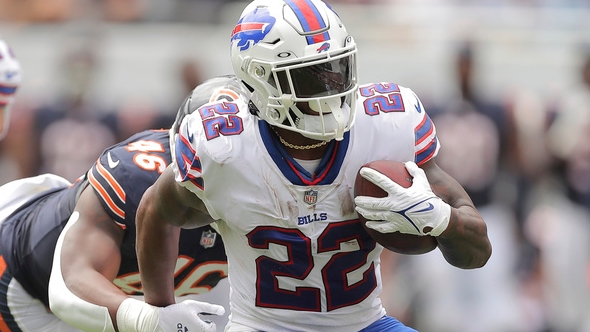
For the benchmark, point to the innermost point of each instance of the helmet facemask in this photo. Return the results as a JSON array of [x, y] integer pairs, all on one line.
[[326, 86]]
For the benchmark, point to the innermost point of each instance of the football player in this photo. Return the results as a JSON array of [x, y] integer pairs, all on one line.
[[277, 170], [10, 78], [70, 248]]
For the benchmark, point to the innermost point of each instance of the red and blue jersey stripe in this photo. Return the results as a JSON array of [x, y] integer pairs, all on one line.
[[425, 132], [189, 164], [327, 170]]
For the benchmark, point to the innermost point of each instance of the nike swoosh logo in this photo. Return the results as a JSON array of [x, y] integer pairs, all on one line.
[[191, 136], [112, 163], [428, 208], [418, 106]]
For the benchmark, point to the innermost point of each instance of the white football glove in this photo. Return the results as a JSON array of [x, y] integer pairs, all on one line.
[[137, 316], [414, 210]]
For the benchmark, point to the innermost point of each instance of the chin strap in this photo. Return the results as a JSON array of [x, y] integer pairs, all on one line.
[[332, 118]]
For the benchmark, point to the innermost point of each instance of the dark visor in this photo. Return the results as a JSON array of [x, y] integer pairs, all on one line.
[[323, 79]]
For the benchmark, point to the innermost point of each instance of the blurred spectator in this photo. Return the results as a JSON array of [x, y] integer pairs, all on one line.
[[530, 166], [559, 218], [67, 10], [135, 114], [472, 132], [203, 11], [138, 112], [68, 132], [36, 10], [124, 10], [560, 228], [570, 134], [191, 74]]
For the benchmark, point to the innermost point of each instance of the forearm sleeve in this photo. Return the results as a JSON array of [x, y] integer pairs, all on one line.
[[69, 307]]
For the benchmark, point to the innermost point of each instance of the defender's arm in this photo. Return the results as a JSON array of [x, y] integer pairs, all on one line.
[[87, 259]]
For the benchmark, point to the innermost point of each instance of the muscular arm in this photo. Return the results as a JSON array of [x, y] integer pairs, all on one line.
[[90, 260], [464, 243], [164, 208]]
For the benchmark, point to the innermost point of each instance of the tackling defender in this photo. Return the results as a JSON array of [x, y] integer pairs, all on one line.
[[276, 170], [86, 230]]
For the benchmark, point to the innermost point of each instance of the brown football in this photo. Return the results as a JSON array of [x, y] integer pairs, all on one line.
[[397, 242]]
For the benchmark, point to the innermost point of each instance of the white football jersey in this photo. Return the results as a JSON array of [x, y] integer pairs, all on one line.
[[299, 259]]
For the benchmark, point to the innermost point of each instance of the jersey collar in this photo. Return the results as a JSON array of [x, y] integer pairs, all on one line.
[[327, 170]]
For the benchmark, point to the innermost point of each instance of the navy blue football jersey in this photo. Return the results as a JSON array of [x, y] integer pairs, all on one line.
[[119, 177], [28, 237]]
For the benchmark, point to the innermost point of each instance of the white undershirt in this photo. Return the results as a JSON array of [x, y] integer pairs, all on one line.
[[309, 165]]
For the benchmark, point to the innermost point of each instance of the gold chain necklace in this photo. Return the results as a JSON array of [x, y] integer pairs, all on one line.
[[299, 147]]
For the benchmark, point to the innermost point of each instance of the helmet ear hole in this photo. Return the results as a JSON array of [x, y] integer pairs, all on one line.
[[253, 109], [251, 89]]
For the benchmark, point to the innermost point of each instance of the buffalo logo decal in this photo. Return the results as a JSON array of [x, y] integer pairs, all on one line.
[[252, 28]]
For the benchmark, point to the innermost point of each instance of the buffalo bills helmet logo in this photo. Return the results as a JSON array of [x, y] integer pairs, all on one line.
[[252, 28], [324, 48]]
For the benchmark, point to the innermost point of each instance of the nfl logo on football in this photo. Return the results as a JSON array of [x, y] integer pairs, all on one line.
[[310, 196], [208, 239]]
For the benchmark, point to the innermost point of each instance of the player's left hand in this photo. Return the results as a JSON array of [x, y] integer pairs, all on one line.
[[414, 210]]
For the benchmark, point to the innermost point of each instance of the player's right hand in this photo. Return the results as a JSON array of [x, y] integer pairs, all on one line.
[[415, 210], [137, 316]]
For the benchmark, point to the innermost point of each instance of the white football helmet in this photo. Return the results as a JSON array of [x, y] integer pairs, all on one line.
[[10, 78], [290, 52]]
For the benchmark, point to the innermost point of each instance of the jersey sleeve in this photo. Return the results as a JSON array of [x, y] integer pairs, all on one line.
[[105, 181], [207, 139], [186, 164], [426, 144], [123, 172]]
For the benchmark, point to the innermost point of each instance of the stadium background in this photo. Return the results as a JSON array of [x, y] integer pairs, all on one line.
[[528, 57]]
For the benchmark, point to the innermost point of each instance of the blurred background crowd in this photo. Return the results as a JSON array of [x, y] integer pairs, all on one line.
[[507, 84]]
